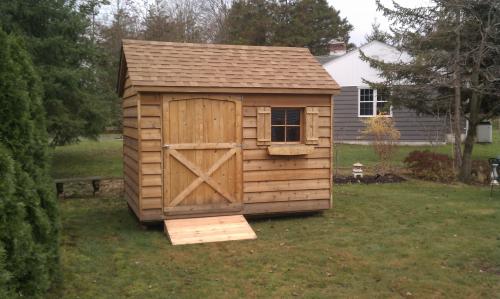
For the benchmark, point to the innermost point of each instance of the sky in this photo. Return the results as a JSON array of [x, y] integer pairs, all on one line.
[[362, 13]]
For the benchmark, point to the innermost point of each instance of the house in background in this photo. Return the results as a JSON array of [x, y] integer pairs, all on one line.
[[358, 101]]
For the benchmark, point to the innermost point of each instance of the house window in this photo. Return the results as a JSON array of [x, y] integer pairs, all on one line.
[[366, 100], [285, 124], [372, 103]]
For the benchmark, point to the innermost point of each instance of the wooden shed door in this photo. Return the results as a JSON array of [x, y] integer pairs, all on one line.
[[202, 155]]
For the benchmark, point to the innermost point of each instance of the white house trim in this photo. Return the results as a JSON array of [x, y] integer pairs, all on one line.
[[375, 101]]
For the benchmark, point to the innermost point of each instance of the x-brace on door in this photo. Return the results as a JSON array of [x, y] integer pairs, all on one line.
[[202, 155]]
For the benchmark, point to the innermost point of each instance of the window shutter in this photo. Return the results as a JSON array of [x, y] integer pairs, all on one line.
[[263, 125], [311, 124]]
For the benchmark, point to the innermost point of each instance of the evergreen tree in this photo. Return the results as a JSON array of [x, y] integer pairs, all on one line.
[[58, 37], [312, 24], [249, 22], [7, 188], [29, 227], [455, 45], [299, 23], [378, 34]]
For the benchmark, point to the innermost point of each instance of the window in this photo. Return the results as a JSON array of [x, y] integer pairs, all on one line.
[[366, 100], [372, 103], [285, 124], [383, 108]]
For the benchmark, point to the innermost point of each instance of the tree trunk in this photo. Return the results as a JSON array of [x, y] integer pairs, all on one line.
[[474, 115], [474, 104], [466, 168], [457, 101], [457, 130]]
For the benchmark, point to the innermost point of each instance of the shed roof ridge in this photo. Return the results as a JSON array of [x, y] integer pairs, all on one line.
[[210, 45]]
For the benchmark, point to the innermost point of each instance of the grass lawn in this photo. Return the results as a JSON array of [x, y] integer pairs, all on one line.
[[103, 157], [413, 239], [89, 158], [348, 154]]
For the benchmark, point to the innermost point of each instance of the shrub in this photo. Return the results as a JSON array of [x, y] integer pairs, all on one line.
[[385, 137], [29, 225], [6, 193], [481, 171], [432, 166]]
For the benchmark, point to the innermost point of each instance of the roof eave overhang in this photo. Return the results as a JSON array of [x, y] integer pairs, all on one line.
[[237, 90]]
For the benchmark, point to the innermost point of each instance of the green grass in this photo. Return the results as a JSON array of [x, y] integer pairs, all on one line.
[[348, 154], [379, 241], [89, 158], [103, 157], [423, 239]]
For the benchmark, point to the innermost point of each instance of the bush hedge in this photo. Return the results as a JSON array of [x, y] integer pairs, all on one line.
[[29, 221], [431, 166]]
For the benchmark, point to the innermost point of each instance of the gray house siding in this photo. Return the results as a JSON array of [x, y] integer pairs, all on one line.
[[413, 128]]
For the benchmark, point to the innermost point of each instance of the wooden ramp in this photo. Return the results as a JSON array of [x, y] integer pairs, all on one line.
[[208, 229]]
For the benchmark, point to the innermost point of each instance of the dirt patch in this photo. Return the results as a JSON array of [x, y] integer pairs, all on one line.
[[369, 179], [489, 268]]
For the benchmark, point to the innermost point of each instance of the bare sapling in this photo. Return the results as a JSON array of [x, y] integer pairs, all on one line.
[[384, 136]]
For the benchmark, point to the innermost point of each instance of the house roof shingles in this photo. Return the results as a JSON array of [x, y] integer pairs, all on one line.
[[325, 58], [166, 64]]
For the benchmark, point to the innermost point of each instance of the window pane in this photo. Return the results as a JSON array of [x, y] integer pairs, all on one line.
[[293, 117], [277, 116], [381, 96], [278, 134], [365, 95], [366, 108], [293, 134], [383, 108]]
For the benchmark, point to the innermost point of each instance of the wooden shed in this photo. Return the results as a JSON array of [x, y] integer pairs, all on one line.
[[224, 130]]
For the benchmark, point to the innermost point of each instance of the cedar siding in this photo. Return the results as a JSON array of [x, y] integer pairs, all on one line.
[[271, 184], [277, 183], [131, 146], [151, 156]]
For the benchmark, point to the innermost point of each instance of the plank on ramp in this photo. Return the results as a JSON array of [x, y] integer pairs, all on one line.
[[208, 229]]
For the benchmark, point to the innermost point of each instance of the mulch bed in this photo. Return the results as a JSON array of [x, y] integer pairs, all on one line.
[[369, 179]]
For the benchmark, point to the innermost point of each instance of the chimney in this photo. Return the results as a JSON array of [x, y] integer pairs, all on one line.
[[337, 47]]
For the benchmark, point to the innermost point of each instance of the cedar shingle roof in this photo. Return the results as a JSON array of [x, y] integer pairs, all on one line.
[[165, 64]]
